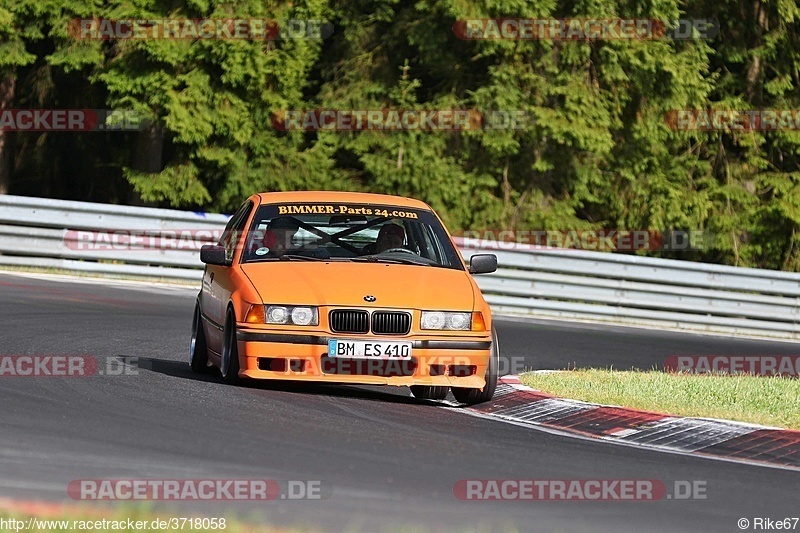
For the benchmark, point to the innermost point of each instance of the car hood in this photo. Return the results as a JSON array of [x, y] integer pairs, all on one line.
[[346, 284]]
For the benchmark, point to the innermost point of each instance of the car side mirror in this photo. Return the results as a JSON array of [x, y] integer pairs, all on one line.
[[213, 254], [482, 264]]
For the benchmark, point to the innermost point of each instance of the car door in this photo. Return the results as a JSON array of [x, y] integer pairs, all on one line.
[[217, 284]]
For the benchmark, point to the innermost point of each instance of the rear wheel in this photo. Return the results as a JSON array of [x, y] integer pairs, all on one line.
[[427, 392], [198, 353], [476, 396], [229, 366]]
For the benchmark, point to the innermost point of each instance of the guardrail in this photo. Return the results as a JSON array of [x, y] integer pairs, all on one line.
[[538, 282], [43, 233]]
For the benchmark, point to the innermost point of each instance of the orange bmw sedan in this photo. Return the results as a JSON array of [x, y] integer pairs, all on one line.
[[347, 288]]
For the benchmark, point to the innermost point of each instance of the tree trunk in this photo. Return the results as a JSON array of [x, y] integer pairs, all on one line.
[[149, 148], [147, 155], [754, 68], [7, 86]]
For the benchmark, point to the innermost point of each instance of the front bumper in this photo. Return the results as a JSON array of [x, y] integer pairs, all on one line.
[[458, 361]]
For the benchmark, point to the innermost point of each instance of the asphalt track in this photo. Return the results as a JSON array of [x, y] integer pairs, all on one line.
[[387, 460]]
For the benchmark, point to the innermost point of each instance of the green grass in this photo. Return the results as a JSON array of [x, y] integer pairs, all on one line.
[[771, 401]]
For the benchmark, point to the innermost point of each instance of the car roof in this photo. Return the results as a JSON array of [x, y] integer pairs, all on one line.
[[339, 196]]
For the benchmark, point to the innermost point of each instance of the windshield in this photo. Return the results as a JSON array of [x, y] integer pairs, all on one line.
[[349, 232]]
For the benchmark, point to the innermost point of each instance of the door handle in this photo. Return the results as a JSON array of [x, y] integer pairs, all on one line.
[[211, 279]]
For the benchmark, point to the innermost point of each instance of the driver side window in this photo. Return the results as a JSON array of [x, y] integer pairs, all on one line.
[[234, 229]]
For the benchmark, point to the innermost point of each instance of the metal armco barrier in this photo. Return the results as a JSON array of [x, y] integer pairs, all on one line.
[[46, 233], [541, 282]]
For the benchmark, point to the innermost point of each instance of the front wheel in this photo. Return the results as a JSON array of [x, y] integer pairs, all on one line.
[[475, 396], [427, 392], [229, 366], [198, 353]]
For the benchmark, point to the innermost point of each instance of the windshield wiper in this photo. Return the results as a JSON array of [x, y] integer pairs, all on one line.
[[290, 257], [397, 260]]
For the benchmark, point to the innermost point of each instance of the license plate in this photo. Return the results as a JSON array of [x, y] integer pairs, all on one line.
[[369, 349]]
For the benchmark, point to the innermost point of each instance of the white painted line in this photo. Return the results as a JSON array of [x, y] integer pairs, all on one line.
[[151, 285], [624, 432], [602, 325]]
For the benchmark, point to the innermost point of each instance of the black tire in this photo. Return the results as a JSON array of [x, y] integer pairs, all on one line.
[[198, 351], [476, 396], [229, 366], [427, 392]]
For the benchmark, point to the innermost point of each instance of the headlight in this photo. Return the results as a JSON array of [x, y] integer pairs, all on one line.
[[445, 320], [296, 315], [277, 314], [303, 316]]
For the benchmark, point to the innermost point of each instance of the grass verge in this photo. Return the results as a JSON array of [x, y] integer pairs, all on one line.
[[770, 401]]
